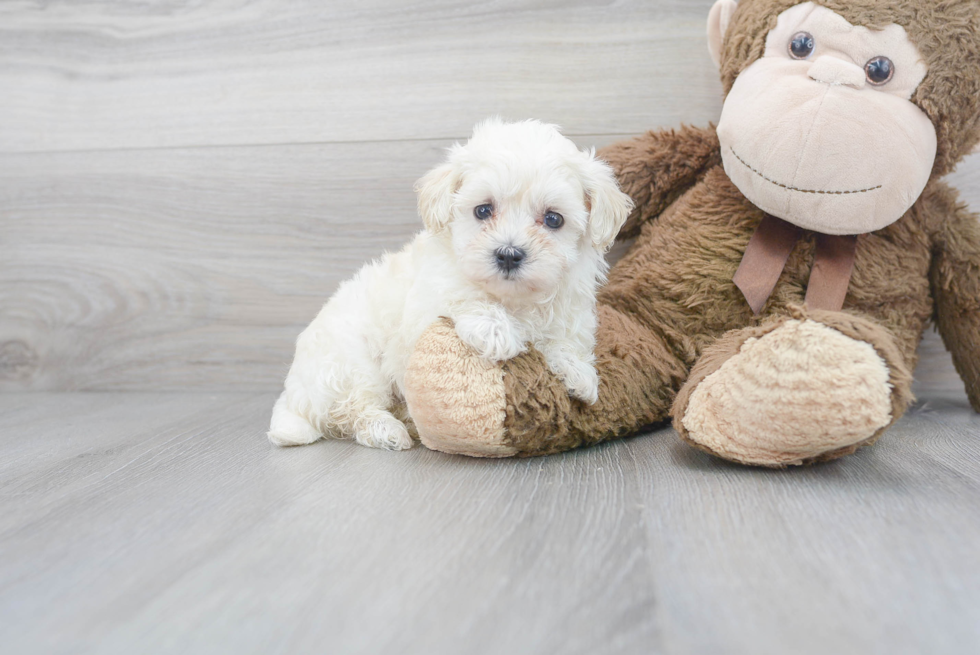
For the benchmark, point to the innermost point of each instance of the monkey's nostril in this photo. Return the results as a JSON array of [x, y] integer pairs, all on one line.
[[509, 258]]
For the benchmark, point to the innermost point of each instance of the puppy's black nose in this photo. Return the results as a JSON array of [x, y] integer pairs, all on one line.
[[510, 258]]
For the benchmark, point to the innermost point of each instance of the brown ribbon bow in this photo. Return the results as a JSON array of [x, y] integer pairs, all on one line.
[[766, 256]]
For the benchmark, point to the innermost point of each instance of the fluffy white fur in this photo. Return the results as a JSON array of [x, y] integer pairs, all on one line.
[[350, 362]]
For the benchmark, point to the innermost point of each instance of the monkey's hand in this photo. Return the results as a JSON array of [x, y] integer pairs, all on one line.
[[656, 168]]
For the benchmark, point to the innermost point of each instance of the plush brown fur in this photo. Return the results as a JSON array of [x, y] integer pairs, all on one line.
[[670, 309]]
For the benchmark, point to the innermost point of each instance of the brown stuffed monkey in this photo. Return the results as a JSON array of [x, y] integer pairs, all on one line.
[[785, 265]]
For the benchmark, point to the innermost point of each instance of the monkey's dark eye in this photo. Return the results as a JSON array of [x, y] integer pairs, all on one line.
[[483, 212], [880, 71], [801, 46], [554, 220]]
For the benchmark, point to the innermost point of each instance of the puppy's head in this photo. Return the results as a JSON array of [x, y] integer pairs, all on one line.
[[522, 205]]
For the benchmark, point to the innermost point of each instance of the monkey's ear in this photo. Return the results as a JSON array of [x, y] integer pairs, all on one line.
[[608, 206], [435, 196], [718, 21]]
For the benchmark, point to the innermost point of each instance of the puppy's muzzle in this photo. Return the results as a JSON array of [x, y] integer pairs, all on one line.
[[509, 258]]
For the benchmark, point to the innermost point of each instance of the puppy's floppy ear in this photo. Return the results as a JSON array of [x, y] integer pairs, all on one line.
[[608, 206], [435, 196]]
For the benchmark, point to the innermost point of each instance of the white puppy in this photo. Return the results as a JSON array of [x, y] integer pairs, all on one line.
[[516, 225]]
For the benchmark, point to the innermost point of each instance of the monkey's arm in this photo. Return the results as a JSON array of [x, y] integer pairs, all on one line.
[[956, 289], [656, 168]]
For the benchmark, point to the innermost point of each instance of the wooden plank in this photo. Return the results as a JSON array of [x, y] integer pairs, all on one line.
[[99, 74], [198, 267], [164, 523]]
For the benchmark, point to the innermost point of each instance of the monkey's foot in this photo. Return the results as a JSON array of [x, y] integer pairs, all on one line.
[[789, 393]]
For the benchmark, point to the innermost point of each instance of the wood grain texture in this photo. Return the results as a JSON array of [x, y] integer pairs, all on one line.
[[96, 74], [195, 267], [165, 523]]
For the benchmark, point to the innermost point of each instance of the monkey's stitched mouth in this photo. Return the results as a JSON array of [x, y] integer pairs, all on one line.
[[793, 188]]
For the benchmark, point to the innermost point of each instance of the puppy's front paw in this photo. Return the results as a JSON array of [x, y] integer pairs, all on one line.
[[494, 338], [580, 378]]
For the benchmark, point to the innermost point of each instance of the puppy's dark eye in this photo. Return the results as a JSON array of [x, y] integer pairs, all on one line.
[[483, 212], [554, 220], [880, 71], [802, 45]]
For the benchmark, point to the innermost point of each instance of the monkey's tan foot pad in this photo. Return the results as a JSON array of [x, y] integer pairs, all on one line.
[[799, 393], [455, 398]]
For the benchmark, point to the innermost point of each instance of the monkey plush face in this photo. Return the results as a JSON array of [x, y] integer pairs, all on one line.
[[821, 130]]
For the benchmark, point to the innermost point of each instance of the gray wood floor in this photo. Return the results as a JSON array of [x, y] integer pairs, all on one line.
[[183, 183], [163, 523]]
